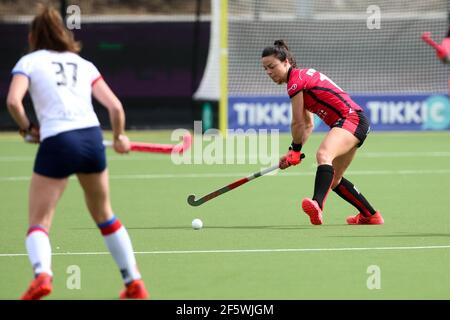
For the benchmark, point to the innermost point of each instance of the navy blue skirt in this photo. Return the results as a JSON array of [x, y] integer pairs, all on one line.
[[75, 151]]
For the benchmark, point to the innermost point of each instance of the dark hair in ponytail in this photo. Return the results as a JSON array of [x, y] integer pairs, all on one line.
[[281, 51]]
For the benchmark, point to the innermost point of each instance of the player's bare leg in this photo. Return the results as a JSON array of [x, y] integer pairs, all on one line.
[[96, 194], [43, 196]]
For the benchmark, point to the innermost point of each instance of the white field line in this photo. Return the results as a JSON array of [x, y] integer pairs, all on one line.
[[154, 157], [241, 251], [243, 174]]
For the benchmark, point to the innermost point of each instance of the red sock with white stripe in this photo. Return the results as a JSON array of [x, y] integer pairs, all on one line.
[[39, 249], [347, 191], [119, 244]]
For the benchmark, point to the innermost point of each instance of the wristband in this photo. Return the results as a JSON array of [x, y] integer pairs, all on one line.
[[297, 147]]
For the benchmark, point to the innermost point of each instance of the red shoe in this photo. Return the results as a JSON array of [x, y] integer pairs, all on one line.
[[134, 290], [312, 209], [39, 287], [376, 218]]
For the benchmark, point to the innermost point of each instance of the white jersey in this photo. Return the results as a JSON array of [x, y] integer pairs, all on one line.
[[61, 90]]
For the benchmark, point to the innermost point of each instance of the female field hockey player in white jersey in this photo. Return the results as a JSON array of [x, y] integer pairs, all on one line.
[[61, 83]]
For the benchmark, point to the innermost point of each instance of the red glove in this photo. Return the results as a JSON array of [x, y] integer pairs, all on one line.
[[292, 158]]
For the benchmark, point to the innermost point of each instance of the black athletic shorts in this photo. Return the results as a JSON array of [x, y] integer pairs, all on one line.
[[357, 124]]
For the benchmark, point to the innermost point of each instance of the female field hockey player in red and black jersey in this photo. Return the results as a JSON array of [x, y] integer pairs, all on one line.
[[61, 85], [313, 92]]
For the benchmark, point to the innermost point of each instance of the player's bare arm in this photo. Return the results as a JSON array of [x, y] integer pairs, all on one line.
[[17, 90], [109, 100], [302, 120]]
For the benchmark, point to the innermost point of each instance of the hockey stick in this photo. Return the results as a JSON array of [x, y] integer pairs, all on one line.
[[157, 147], [440, 50], [191, 199]]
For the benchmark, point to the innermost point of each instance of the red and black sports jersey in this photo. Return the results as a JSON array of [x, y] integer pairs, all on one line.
[[321, 95]]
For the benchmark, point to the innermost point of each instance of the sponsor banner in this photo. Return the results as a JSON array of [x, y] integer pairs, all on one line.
[[386, 112]]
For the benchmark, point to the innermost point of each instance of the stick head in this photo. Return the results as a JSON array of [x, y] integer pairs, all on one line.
[[187, 142], [185, 145], [191, 201]]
